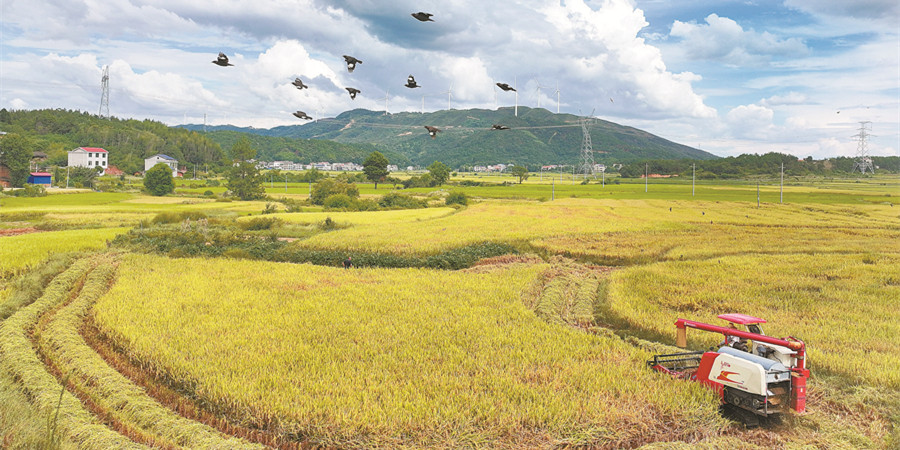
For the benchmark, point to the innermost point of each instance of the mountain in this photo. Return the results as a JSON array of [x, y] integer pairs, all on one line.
[[536, 137]]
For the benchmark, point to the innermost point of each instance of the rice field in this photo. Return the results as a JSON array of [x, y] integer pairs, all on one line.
[[18, 253], [390, 356], [363, 217]]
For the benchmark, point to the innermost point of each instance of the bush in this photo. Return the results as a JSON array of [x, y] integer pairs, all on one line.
[[339, 201], [30, 190], [457, 198], [259, 223], [177, 217], [271, 208], [209, 194], [212, 183], [328, 187], [394, 200]]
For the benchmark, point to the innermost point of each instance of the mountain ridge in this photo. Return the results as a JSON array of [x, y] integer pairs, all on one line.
[[536, 137]]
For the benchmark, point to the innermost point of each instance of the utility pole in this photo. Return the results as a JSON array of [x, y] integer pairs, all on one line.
[[646, 176], [693, 177], [782, 184], [757, 193]]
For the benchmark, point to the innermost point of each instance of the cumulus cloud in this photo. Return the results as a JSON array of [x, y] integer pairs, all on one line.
[[723, 39], [750, 121]]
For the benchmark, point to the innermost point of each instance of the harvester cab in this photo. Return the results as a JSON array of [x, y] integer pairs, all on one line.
[[752, 372]]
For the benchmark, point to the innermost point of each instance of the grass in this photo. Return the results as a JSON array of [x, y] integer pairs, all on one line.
[[381, 218], [391, 357]]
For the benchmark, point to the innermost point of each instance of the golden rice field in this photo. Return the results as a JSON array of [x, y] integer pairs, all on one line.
[[363, 217], [391, 356], [580, 227], [844, 306], [20, 252]]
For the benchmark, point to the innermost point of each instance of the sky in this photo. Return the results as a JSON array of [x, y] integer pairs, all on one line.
[[728, 77]]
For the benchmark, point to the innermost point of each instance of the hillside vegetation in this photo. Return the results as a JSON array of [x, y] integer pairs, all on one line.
[[536, 137]]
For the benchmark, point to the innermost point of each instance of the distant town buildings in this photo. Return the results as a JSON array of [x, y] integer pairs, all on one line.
[[90, 157], [160, 158]]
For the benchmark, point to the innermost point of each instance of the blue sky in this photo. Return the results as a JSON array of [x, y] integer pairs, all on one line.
[[729, 77]]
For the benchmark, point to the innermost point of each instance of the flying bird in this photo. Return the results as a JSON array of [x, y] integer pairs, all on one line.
[[302, 115], [499, 127], [611, 100], [222, 60], [422, 16], [351, 63], [411, 82], [432, 131], [353, 92], [505, 87], [297, 82]]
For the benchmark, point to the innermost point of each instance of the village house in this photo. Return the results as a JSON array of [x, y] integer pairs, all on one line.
[[90, 157], [160, 158], [40, 178]]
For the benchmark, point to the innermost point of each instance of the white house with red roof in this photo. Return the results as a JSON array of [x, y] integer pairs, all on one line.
[[90, 157]]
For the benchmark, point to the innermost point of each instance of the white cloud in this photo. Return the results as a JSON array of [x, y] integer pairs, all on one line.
[[886, 10], [723, 39], [791, 98], [750, 121]]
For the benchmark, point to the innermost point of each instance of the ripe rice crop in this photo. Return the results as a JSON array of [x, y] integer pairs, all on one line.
[[844, 306], [363, 217], [17, 253], [370, 357]]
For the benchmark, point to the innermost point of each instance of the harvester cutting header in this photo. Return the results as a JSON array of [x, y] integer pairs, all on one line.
[[755, 373]]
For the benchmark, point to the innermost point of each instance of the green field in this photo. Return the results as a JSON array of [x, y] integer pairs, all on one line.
[[543, 347]]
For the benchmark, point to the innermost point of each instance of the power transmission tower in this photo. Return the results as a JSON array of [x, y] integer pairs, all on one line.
[[587, 149], [863, 161], [104, 93]]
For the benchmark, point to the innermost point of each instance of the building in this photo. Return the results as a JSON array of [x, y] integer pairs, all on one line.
[[114, 171], [42, 178], [160, 158], [90, 157], [5, 176]]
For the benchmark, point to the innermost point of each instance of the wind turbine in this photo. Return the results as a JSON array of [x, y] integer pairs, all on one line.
[[515, 82], [557, 97], [449, 94], [539, 87], [386, 96]]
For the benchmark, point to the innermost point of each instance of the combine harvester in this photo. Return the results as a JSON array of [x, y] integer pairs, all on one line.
[[755, 375]]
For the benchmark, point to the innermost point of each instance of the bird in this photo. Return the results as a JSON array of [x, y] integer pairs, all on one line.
[[422, 16], [297, 82], [499, 127], [432, 131], [505, 87], [222, 60], [351, 63], [353, 92], [411, 82], [611, 100], [302, 115]]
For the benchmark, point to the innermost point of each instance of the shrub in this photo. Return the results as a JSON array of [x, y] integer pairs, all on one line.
[[339, 201], [457, 198], [30, 190], [259, 223], [209, 194], [328, 187], [177, 217], [394, 200], [270, 209]]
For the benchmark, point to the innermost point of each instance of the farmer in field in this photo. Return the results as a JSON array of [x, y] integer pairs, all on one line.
[[347, 263]]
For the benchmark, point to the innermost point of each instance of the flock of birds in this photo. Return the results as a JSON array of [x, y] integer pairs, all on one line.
[[222, 60]]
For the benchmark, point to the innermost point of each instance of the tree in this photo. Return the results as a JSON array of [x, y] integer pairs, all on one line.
[[158, 180], [375, 167], [328, 187], [521, 172], [244, 180], [440, 173], [15, 154]]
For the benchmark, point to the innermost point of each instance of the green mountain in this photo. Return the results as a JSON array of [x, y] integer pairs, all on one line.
[[536, 137]]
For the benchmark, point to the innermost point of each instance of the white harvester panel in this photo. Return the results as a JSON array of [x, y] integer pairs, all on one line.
[[747, 372]]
